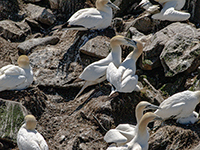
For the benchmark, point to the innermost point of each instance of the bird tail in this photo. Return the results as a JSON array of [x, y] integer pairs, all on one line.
[[87, 83]]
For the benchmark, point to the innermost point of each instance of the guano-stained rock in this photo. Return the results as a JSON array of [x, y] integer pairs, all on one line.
[[28, 45]]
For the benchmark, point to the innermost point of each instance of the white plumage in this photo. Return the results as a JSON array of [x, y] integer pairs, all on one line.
[[92, 18], [140, 141], [96, 72], [124, 133], [28, 138], [180, 106], [171, 10], [123, 78], [16, 77]]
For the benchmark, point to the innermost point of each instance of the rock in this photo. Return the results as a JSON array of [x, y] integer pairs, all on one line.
[[54, 4], [12, 116], [26, 46], [171, 137], [32, 98], [9, 9], [14, 31], [197, 148], [118, 24], [35, 26], [180, 54], [159, 41], [134, 33], [41, 14], [32, 1], [100, 43]]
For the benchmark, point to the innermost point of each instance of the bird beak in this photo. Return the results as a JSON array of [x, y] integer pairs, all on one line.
[[158, 118], [151, 107], [110, 4], [131, 42]]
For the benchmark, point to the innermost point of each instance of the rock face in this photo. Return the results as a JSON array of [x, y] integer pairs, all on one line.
[[159, 44], [168, 137], [12, 115], [101, 42], [41, 14], [14, 31], [28, 45]]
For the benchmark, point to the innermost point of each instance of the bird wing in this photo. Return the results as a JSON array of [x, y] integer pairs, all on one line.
[[25, 144], [88, 18], [12, 77], [3, 69], [42, 142], [113, 135]]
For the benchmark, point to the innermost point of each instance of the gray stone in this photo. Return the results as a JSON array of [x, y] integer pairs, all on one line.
[[14, 31], [180, 54], [100, 43], [12, 116], [41, 14], [54, 4], [197, 148], [28, 45], [134, 33], [159, 41]]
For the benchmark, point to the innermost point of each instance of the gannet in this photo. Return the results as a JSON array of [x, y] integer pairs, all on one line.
[[123, 79], [28, 138], [140, 141], [92, 18], [180, 106], [16, 77], [170, 11], [96, 72], [124, 133]]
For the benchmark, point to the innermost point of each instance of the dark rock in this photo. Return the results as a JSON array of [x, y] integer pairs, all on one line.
[[32, 1], [118, 24], [101, 43], [172, 137], [41, 14], [14, 31], [35, 26], [33, 99], [12, 116], [197, 148], [54, 4], [28, 45]]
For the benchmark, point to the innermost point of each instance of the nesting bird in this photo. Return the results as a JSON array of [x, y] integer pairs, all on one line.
[[180, 106], [170, 11], [96, 72], [140, 141], [28, 138], [92, 18], [123, 78], [16, 77], [124, 133]]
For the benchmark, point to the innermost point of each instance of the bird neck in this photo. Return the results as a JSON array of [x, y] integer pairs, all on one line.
[[197, 93], [137, 52], [142, 127], [101, 6], [138, 113]]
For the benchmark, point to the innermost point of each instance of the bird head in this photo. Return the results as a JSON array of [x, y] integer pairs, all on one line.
[[30, 122], [121, 40], [100, 3], [23, 61]]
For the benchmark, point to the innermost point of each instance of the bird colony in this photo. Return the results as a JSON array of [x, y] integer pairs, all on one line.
[[120, 74]]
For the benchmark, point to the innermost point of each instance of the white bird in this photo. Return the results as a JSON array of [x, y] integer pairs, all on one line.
[[96, 72], [28, 138], [92, 18], [170, 11], [140, 141], [124, 133], [123, 79], [180, 106], [16, 77]]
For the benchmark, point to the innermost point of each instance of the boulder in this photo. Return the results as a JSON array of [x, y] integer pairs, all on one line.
[[32, 1], [54, 4], [12, 116], [171, 137], [14, 31], [159, 41], [180, 54], [41, 14], [26, 46], [100, 43]]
